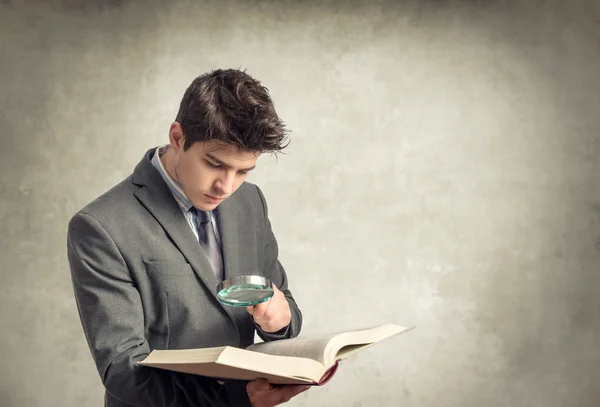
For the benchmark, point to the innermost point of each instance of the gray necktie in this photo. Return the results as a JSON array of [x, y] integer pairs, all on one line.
[[208, 241]]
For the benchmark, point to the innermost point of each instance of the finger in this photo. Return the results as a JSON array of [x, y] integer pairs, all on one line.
[[295, 390], [279, 296], [259, 385], [260, 310], [285, 393], [250, 309]]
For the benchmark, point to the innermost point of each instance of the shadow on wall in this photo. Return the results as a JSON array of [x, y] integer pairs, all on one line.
[[596, 210], [4, 397]]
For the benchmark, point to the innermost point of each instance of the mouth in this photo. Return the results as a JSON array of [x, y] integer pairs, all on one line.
[[213, 199]]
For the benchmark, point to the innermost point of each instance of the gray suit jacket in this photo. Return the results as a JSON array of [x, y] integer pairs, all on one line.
[[142, 282]]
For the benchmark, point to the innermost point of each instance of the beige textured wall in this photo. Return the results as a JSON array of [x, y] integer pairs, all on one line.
[[443, 172]]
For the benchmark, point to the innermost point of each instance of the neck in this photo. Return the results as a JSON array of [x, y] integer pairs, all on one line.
[[168, 161]]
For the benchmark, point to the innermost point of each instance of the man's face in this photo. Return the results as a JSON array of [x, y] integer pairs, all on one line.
[[209, 172]]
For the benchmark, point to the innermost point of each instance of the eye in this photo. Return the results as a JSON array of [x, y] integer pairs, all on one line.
[[212, 165]]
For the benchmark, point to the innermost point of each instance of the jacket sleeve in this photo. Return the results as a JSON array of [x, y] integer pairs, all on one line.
[[112, 317], [275, 271]]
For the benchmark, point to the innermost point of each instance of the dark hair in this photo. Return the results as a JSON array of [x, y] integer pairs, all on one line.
[[231, 107]]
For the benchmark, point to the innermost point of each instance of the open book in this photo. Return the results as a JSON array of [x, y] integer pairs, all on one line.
[[309, 360]]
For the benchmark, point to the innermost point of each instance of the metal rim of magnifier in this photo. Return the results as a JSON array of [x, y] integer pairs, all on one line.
[[239, 280]]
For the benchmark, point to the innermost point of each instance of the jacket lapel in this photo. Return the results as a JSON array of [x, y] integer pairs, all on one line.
[[167, 213], [230, 234], [158, 200]]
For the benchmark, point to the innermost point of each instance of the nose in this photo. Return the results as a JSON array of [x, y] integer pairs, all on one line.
[[225, 184]]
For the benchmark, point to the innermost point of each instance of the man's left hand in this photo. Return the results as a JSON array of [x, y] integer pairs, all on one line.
[[272, 315]]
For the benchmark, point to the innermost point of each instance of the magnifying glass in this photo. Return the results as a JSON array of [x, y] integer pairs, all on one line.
[[243, 291]]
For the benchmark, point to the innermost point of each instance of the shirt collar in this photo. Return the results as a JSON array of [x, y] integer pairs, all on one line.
[[173, 185]]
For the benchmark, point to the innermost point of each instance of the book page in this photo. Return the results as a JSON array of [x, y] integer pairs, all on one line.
[[235, 363], [347, 344], [327, 349], [312, 348]]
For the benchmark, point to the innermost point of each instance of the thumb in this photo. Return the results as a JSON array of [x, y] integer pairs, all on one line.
[[259, 384], [263, 384], [250, 309]]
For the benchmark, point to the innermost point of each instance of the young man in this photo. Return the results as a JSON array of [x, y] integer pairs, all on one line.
[[147, 255]]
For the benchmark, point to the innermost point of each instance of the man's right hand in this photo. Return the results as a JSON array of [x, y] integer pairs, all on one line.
[[262, 394]]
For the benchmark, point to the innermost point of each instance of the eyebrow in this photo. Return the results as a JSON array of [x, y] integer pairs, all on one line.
[[215, 159]]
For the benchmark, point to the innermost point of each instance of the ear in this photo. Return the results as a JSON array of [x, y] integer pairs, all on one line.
[[176, 137]]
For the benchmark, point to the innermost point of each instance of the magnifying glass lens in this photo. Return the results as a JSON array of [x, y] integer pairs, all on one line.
[[242, 291]]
